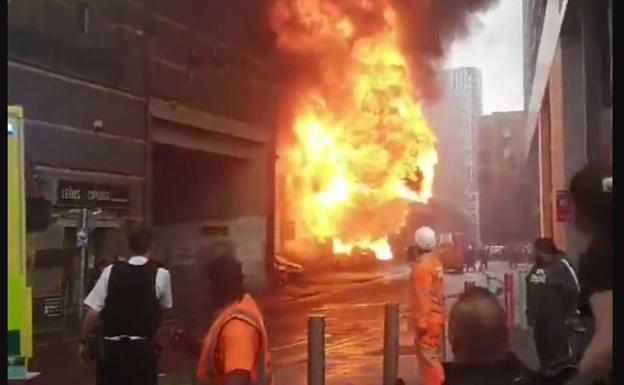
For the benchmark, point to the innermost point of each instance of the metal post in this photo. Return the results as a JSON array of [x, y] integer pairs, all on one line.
[[444, 333], [316, 350], [83, 242], [83, 260], [508, 296], [522, 293], [443, 343], [391, 344]]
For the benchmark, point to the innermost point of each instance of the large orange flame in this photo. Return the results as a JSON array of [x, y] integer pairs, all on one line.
[[362, 148]]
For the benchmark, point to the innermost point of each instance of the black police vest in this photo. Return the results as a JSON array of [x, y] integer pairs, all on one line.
[[131, 306]]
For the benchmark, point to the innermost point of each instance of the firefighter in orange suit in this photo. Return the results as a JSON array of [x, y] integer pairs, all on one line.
[[427, 291], [235, 349]]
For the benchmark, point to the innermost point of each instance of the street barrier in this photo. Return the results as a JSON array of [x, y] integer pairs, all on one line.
[[391, 344], [316, 350], [508, 298], [493, 284], [511, 290], [443, 345], [522, 298]]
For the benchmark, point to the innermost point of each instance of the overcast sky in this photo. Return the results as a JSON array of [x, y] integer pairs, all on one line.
[[495, 46]]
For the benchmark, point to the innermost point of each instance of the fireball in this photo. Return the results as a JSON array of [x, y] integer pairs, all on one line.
[[362, 150]]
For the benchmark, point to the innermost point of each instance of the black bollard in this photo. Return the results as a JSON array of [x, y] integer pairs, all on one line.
[[316, 350], [391, 344]]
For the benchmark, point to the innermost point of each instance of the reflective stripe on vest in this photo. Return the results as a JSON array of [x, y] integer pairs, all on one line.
[[207, 369]]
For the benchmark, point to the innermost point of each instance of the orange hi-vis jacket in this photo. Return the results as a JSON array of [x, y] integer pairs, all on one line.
[[427, 292], [210, 367]]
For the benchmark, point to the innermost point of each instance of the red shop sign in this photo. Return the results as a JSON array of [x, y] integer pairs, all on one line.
[[564, 207]]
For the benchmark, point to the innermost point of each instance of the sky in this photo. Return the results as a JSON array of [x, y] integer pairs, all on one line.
[[495, 45]]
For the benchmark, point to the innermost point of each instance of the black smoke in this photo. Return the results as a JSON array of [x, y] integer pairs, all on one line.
[[428, 27]]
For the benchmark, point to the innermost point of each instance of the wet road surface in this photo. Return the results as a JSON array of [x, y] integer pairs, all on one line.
[[354, 316], [353, 307]]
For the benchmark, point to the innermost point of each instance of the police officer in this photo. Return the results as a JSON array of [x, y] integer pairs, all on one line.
[[552, 292], [126, 303]]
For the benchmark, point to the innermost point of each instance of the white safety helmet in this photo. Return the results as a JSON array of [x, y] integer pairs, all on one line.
[[425, 238]]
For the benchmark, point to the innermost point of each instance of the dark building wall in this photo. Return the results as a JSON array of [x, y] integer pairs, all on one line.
[[214, 56], [83, 71], [60, 120], [77, 69], [98, 41]]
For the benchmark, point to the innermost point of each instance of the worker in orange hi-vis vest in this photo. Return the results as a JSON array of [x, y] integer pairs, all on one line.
[[427, 292], [235, 349]]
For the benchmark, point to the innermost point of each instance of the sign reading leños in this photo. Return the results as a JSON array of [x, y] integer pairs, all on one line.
[[86, 194]]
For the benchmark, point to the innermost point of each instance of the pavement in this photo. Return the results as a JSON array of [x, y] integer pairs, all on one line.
[[353, 307]]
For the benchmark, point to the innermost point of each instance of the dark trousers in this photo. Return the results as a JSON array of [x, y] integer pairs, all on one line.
[[551, 339], [127, 363]]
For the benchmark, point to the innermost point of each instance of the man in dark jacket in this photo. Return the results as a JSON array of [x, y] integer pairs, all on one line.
[[552, 293], [471, 257], [484, 256], [479, 340]]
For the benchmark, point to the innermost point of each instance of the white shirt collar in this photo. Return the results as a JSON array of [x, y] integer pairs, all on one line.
[[137, 260]]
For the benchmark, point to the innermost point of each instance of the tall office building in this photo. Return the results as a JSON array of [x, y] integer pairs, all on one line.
[[454, 119]]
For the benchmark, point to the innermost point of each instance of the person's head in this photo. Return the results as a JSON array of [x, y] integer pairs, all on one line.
[[477, 327], [545, 250], [592, 195], [140, 240], [223, 272], [425, 239]]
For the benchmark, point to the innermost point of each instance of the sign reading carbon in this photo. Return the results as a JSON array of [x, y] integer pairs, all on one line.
[[86, 194]]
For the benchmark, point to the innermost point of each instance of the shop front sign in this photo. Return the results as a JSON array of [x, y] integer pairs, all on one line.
[[86, 194]]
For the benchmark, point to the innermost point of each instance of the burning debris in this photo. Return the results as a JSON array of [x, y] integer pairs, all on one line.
[[360, 149]]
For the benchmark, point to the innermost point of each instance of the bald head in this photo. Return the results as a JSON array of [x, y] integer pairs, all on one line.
[[477, 327]]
